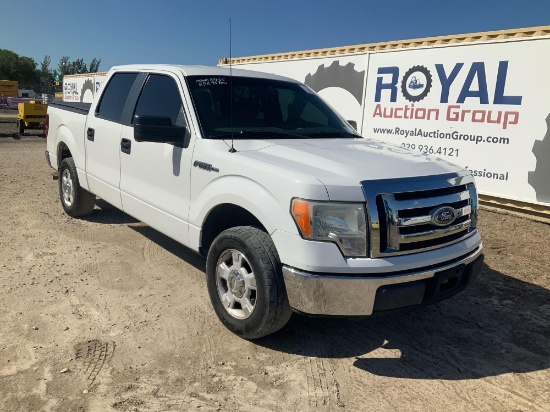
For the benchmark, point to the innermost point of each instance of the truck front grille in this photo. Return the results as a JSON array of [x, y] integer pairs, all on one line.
[[418, 214]]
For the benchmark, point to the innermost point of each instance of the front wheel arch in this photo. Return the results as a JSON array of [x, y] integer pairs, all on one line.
[[223, 217]]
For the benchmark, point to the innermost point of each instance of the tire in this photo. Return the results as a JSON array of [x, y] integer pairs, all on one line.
[[76, 201], [245, 282]]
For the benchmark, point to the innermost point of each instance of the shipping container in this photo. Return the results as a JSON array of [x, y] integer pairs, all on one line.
[[82, 87], [9, 88], [479, 100]]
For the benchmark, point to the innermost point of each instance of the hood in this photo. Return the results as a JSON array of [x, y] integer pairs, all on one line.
[[340, 163]]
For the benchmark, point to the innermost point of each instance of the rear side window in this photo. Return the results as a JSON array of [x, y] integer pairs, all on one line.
[[115, 95], [161, 97]]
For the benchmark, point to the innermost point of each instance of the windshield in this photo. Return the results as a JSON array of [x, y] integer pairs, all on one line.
[[262, 107]]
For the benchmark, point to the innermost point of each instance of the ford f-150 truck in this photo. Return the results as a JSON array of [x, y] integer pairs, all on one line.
[[291, 207]]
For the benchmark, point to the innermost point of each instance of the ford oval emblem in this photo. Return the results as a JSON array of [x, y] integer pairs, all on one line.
[[443, 216]]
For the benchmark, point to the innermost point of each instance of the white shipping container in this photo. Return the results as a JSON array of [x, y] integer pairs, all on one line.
[[478, 100], [482, 106], [82, 87]]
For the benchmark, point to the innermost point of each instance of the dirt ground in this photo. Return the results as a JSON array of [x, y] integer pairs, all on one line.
[[107, 314]]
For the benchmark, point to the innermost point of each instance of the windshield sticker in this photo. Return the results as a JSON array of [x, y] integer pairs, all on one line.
[[211, 81]]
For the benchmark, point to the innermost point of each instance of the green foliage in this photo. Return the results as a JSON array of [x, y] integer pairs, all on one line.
[[78, 66], [46, 77], [41, 79], [94, 65], [18, 68]]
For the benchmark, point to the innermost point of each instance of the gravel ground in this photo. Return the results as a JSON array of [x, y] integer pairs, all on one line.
[[107, 314]]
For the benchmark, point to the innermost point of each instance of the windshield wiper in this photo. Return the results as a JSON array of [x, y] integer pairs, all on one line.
[[248, 133], [328, 133]]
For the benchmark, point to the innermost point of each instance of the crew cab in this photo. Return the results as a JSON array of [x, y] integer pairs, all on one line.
[[293, 209]]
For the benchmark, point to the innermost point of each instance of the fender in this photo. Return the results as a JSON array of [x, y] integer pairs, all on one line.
[[272, 212], [78, 152]]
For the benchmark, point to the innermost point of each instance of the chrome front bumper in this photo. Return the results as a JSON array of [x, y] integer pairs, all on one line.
[[340, 295]]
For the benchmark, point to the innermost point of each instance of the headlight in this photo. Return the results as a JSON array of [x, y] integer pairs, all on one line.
[[340, 223]]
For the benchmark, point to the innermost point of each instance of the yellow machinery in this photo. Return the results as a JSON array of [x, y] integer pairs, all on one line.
[[31, 115]]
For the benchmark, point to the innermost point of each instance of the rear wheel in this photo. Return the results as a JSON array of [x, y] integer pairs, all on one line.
[[76, 201], [245, 282]]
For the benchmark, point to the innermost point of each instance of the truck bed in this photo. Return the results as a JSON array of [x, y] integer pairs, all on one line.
[[72, 116], [76, 107]]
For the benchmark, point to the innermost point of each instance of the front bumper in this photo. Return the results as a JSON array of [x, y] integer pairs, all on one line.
[[337, 295]]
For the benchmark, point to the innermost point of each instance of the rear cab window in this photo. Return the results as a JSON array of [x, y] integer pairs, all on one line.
[[113, 99]]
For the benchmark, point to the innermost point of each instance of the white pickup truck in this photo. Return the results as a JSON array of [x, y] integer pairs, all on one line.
[[291, 207]]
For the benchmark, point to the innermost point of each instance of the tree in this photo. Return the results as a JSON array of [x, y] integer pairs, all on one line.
[[42, 79], [94, 65], [63, 66], [78, 66], [46, 81], [45, 65], [18, 68]]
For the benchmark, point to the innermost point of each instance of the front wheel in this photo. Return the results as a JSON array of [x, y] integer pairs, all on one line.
[[76, 201], [245, 282]]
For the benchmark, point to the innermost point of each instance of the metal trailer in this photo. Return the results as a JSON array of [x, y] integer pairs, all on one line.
[[31, 115]]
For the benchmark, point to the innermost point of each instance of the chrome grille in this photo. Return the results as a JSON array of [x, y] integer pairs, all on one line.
[[418, 214]]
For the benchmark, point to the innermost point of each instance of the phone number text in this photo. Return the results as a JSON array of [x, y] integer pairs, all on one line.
[[435, 150]]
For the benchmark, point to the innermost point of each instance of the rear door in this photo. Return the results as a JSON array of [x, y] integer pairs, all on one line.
[[103, 129], [155, 177]]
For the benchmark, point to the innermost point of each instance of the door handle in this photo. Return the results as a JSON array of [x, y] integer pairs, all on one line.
[[90, 134], [126, 146]]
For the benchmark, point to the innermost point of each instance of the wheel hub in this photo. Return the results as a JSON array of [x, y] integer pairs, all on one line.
[[67, 188], [236, 284]]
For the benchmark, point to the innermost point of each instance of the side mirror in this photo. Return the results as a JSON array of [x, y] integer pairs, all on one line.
[[157, 129], [353, 124]]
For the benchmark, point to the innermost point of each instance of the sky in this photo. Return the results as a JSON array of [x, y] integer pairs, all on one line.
[[197, 32]]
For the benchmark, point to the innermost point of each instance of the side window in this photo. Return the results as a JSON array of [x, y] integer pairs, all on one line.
[[161, 97], [113, 99]]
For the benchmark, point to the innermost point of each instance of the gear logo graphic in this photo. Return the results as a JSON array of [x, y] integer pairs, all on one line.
[[344, 77], [416, 83], [538, 178], [87, 86]]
